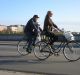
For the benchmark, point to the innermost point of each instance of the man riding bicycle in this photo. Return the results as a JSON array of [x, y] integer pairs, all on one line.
[[31, 31]]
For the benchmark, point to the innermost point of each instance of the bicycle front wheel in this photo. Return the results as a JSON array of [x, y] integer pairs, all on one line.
[[41, 50], [21, 47], [72, 51]]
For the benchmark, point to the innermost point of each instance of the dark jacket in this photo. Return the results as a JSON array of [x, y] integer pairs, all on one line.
[[31, 27], [48, 24]]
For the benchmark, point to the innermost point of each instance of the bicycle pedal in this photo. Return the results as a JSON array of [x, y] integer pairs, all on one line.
[[51, 53], [56, 54]]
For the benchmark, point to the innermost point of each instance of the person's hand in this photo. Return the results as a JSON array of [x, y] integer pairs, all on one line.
[[59, 30], [33, 30]]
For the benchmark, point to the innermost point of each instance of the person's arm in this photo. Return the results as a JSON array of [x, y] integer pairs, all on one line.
[[55, 25], [40, 29], [35, 27]]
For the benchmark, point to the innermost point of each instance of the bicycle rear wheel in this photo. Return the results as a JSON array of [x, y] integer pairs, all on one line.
[[41, 50], [72, 51], [21, 47]]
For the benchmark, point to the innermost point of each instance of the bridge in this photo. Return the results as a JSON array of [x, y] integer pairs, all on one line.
[[9, 37]]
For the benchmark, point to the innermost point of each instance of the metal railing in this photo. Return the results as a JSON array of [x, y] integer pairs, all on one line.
[[19, 37]]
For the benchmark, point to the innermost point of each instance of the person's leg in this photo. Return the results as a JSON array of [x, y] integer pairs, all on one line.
[[29, 41], [34, 39], [53, 38]]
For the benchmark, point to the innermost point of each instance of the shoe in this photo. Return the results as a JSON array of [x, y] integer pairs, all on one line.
[[28, 50]]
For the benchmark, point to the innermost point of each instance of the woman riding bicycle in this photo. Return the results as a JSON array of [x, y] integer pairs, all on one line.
[[49, 26]]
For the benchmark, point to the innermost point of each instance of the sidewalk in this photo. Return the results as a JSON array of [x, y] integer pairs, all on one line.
[[4, 72]]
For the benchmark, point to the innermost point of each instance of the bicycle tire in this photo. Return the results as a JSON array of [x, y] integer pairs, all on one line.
[[71, 51], [21, 47], [41, 55]]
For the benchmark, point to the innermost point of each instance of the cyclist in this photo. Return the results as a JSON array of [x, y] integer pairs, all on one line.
[[50, 28], [31, 31]]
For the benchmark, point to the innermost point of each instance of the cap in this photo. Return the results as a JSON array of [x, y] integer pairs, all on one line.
[[36, 16]]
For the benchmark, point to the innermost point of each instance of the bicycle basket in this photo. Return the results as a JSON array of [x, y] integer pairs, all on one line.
[[69, 36]]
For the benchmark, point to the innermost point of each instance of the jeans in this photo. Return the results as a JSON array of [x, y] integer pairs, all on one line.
[[31, 41]]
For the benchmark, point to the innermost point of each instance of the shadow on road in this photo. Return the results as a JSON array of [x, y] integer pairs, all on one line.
[[10, 56], [17, 60], [29, 61]]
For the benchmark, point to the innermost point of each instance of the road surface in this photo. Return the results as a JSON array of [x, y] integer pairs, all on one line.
[[10, 59]]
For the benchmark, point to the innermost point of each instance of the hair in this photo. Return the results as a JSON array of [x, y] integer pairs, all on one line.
[[47, 16], [49, 12], [46, 19]]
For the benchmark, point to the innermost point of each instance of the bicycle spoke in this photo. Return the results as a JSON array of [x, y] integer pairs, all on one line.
[[41, 50], [72, 51], [22, 46]]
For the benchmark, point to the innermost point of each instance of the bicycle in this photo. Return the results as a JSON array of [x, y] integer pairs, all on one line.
[[22, 45], [69, 48]]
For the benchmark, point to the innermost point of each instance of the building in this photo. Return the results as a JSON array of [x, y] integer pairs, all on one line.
[[16, 28], [2, 28], [20, 28]]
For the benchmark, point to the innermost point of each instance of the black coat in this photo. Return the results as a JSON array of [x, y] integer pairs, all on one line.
[[48, 24], [31, 27]]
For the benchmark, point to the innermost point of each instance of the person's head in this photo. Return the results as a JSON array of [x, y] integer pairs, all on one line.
[[49, 13], [35, 17]]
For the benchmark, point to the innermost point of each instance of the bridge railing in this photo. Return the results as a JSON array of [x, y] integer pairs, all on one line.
[[19, 37]]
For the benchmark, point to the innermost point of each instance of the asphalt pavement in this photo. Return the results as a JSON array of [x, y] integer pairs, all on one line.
[[11, 60]]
